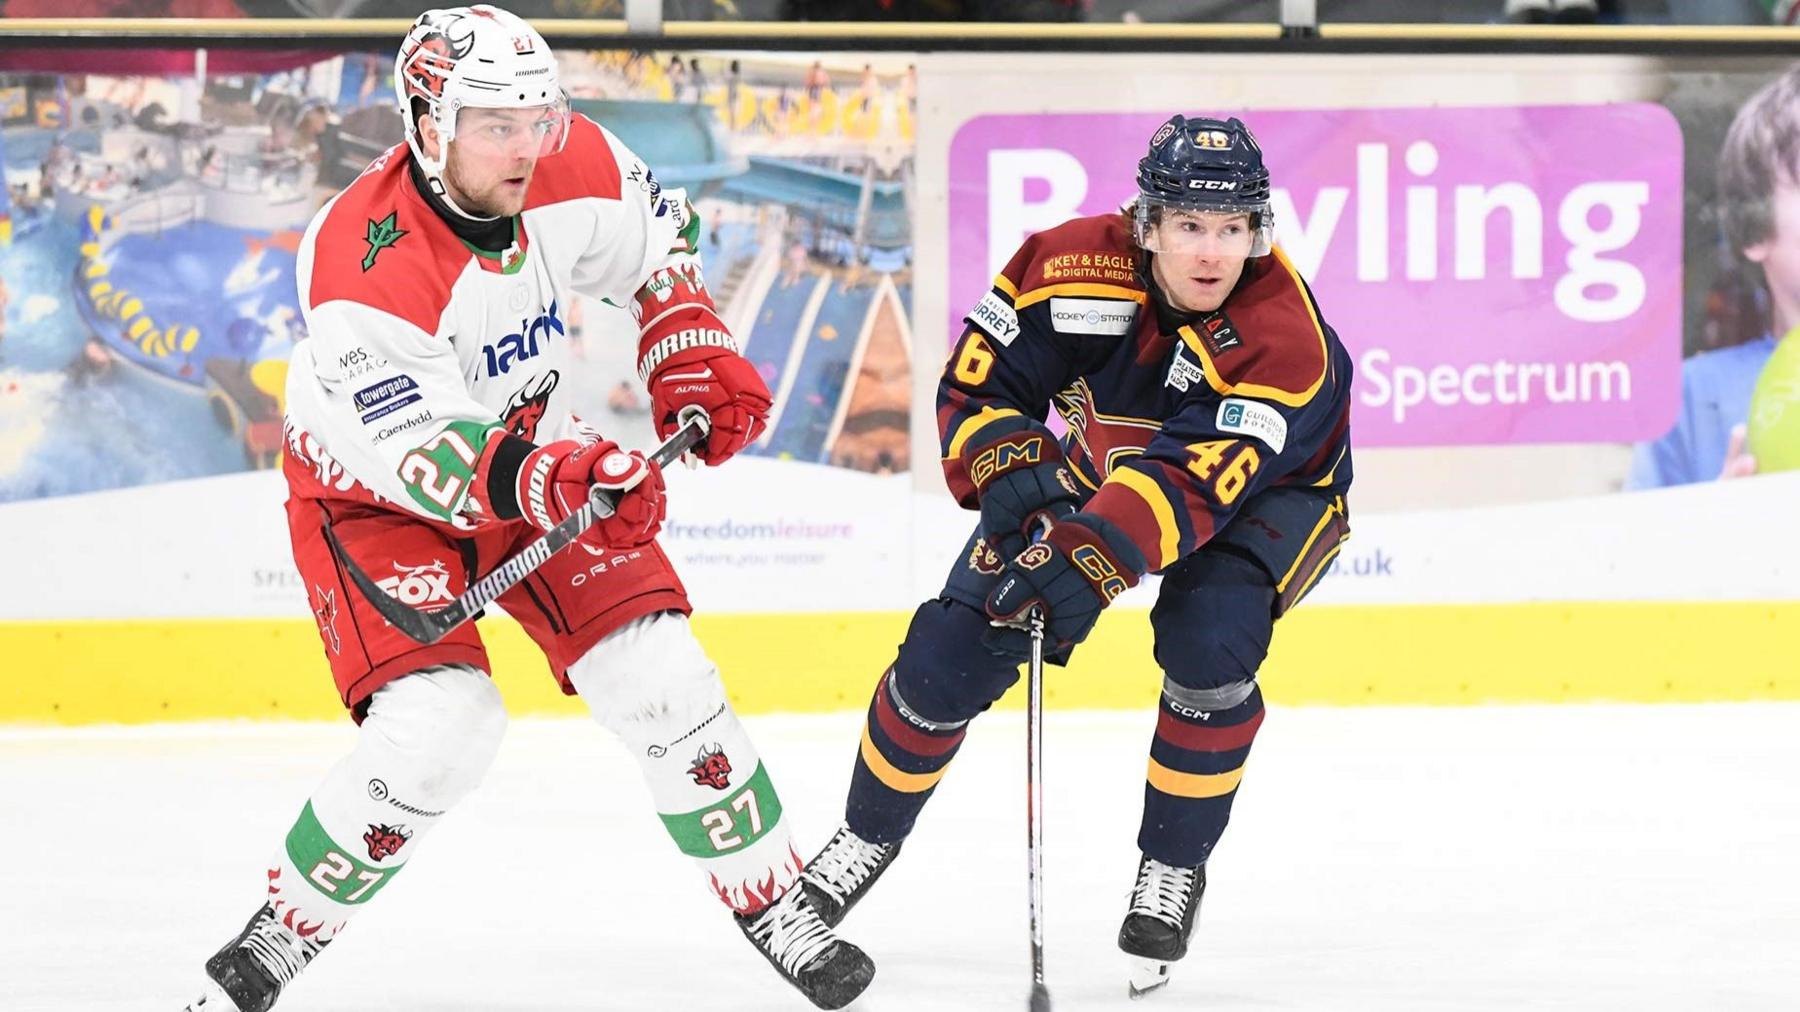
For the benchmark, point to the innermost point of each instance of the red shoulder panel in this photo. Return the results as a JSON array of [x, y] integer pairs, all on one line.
[[585, 167], [382, 246]]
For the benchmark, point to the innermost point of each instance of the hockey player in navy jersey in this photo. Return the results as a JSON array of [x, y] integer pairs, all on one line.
[[1208, 407]]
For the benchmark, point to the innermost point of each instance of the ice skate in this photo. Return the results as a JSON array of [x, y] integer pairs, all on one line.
[[841, 874], [829, 971], [249, 973], [1160, 921]]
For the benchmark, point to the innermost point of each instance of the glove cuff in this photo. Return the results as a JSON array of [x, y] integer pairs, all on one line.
[[532, 484], [1020, 445], [690, 344]]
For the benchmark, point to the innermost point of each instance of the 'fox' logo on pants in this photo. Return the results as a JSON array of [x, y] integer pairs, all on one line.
[[419, 585]]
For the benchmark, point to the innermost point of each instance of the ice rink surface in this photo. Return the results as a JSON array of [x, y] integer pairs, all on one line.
[[1577, 857]]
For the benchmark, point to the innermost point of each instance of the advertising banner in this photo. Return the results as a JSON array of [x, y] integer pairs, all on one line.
[[147, 276], [1499, 273], [1550, 297]]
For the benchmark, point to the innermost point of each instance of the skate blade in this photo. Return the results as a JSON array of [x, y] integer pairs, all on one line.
[[1147, 975], [214, 1000]]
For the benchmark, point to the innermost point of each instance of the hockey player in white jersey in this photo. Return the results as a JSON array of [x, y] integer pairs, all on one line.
[[429, 432]]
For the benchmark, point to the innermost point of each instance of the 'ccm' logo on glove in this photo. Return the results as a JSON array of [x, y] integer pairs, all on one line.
[[1004, 456], [1099, 569]]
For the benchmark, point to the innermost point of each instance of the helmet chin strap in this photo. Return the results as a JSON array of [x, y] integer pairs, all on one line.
[[442, 192], [433, 170]]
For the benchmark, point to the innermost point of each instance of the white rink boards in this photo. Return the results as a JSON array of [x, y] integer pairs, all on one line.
[[1575, 857]]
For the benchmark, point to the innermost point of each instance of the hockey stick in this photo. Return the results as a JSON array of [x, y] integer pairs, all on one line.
[[434, 625], [1034, 807]]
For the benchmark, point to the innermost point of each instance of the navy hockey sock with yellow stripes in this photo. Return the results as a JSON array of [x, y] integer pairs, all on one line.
[[1196, 760], [902, 758]]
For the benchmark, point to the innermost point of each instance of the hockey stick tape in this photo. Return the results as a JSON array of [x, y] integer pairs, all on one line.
[[694, 415]]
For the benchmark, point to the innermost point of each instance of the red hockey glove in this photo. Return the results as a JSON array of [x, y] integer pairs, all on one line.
[[554, 483], [719, 381]]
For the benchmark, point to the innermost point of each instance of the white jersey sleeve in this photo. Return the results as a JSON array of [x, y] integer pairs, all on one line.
[[650, 230], [647, 259]]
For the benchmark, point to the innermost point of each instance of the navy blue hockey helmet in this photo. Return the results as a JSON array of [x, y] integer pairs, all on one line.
[[1202, 166]]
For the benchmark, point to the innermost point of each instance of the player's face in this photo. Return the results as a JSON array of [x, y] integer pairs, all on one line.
[[1202, 255], [1779, 255], [492, 159]]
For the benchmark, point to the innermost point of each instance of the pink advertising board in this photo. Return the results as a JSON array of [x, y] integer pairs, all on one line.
[[1500, 275]]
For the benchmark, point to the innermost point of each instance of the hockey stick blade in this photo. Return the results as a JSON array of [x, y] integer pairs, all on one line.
[[431, 626]]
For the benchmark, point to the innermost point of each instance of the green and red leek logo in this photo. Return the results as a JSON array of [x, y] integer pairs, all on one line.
[[381, 235]]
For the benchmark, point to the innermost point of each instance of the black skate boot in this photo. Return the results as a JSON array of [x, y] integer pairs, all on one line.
[[829, 971], [249, 973], [1160, 921], [841, 873]]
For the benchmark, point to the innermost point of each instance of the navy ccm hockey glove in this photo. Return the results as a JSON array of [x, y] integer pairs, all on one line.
[[1073, 573], [1019, 477]]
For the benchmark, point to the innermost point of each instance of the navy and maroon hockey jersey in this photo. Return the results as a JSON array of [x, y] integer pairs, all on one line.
[[1169, 433]]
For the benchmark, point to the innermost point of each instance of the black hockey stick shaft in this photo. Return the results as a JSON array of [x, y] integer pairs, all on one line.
[[434, 625]]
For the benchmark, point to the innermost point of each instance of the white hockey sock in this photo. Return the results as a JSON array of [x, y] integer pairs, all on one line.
[[428, 739], [652, 685]]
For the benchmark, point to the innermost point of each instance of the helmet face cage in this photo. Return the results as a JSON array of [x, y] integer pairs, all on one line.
[[476, 57], [1197, 169]]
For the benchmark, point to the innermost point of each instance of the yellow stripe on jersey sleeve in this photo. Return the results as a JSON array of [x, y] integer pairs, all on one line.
[[1089, 289], [972, 425], [1146, 488]]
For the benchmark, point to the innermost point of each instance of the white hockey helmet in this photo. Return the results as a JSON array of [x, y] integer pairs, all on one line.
[[480, 57]]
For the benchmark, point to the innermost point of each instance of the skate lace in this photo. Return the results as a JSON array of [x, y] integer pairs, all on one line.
[[279, 952], [846, 863], [792, 932], [1163, 892]]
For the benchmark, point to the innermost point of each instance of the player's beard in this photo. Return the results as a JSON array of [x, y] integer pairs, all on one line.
[[491, 200]]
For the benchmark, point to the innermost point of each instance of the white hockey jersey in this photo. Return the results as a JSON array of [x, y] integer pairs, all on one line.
[[423, 348]]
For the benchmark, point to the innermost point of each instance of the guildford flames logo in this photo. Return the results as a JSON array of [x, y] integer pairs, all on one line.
[[385, 841], [711, 767]]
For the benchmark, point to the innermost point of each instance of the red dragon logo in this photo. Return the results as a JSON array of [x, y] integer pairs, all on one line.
[[527, 407], [437, 41], [385, 841], [711, 767]]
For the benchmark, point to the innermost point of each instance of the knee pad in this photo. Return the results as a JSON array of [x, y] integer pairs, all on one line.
[[649, 682], [430, 736], [1213, 621], [427, 740], [943, 672]]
